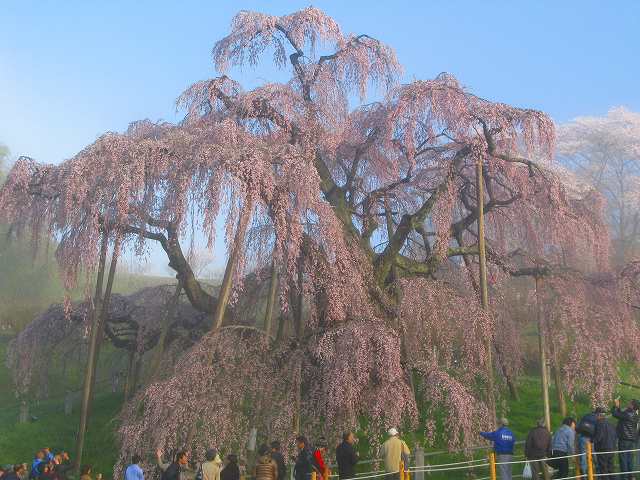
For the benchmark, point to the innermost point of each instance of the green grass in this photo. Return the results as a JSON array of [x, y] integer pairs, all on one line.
[[53, 429]]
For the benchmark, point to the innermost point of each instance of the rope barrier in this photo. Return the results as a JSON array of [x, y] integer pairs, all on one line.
[[482, 463], [411, 469], [430, 469]]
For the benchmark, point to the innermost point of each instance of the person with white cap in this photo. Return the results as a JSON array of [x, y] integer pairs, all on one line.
[[393, 451]]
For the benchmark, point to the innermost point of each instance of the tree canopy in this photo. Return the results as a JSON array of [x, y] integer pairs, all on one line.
[[367, 212]]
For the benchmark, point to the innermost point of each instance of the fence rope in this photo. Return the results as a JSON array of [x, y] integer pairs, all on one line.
[[471, 464]]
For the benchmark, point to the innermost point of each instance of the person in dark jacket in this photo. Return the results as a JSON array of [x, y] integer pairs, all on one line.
[[174, 470], [231, 471], [63, 465], [305, 463], [604, 441], [585, 435], [537, 448], [276, 456], [347, 457], [627, 431]]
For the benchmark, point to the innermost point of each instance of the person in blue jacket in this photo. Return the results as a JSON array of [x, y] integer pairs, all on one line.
[[39, 458], [503, 442]]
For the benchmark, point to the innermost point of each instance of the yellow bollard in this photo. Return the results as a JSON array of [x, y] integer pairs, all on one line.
[[492, 465], [589, 461], [314, 475], [402, 471]]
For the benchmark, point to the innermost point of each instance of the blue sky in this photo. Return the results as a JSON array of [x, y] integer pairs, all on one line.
[[72, 70]]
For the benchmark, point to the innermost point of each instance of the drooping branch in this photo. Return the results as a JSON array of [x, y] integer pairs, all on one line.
[[170, 243]]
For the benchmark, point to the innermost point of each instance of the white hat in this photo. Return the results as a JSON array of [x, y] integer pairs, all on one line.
[[392, 432]]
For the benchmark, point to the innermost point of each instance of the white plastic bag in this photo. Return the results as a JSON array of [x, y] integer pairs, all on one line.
[[526, 473]]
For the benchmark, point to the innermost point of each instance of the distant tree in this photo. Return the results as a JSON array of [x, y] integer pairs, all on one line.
[[605, 152]]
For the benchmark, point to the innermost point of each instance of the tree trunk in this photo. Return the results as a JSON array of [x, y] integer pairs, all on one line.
[[543, 354], [299, 331], [297, 412], [513, 389], [562, 403], [170, 315], [68, 403], [281, 324], [90, 368], [23, 416], [484, 293], [128, 386], [297, 319], [227, 281], [271, 300]]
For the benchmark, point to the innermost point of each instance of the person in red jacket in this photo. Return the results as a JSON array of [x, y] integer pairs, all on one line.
[[318, 457]]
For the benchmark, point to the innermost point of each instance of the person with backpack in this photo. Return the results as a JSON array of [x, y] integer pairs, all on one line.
[[563, 444], [347, 457], [537, 448], [133, 471], [266, 468], [276, 456], [627, 430], [604, 442], [503, 442], [174, 470], [586, 429], [211, 468]]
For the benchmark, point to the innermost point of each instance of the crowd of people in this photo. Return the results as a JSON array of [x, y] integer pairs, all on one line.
[[548, 455], [269, 464], [46, 465]]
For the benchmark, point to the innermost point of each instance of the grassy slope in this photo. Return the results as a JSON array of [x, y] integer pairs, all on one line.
[[52, 428]]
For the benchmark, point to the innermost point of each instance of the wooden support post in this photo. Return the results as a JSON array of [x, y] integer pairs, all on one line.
[[271, 299], [95, 314], [419, 463], [492, 465], [68, 403], [578, 468], [589, 461], [23, 416], [234, 256], [484, 292], [314, 475], [543, 354]]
